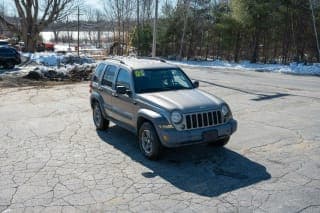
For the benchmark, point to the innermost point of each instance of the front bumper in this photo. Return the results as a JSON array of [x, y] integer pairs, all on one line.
[[174, 138]]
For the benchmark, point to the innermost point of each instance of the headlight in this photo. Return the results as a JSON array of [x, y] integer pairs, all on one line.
[[225, 110], [176, 117]]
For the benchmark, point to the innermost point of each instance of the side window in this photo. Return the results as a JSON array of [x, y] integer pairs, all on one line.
[[123, 78], [109, 75], [179, 79], [98, 72]]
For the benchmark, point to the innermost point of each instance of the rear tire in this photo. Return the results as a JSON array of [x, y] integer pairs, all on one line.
[[221, 142], [149, 143], [99, 121]]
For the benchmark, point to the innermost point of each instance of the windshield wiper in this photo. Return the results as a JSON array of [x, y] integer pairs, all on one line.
[[161, 89], [149, 90]]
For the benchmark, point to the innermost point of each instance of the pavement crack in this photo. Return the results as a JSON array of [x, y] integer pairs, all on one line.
[[307, 207]]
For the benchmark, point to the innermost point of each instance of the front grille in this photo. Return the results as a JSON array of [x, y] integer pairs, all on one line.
[[203, 119]]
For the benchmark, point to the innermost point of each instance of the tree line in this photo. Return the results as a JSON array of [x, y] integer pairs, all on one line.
[[267, 31]]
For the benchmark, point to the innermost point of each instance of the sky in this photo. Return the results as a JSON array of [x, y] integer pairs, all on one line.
[[9, 5], [96, 4]]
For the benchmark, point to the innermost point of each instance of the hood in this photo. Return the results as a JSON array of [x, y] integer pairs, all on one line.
[[190, 100]]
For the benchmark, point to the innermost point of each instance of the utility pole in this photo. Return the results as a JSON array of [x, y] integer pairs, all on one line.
[[99, 30], [315, 29], [154, 42], [138, 28], [78, 31], [68, 33]]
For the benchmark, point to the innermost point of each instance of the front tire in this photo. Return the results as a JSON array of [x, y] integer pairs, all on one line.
[[99, 121], [149, 142]]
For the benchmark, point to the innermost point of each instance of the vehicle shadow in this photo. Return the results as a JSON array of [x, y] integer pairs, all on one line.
[[200, 169]]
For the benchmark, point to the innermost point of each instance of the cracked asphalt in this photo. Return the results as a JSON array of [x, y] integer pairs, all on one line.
[[53, 160]]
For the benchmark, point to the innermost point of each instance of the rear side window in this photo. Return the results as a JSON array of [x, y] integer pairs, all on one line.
[[98, 72], [109, 75]]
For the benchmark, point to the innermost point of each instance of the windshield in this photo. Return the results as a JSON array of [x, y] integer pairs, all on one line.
[[164, 79]]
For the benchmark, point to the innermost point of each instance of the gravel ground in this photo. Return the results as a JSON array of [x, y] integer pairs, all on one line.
[[53, 160]]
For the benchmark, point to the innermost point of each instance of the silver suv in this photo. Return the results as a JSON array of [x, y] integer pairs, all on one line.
[[158, 102]]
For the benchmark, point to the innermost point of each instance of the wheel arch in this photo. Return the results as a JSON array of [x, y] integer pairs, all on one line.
[[140, 121], [146, 115], [95, 98]]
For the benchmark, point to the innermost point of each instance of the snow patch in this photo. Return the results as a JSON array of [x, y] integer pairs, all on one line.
[[293, 68], [54, 59]]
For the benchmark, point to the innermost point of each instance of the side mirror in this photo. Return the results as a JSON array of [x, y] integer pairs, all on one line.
[[195, 84], [121, 90]]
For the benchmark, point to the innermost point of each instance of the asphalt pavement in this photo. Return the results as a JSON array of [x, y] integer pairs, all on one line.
[[53, 160]]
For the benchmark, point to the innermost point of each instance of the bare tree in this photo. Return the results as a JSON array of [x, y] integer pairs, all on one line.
[[35, 16], [99, 27], [2, 13], [120, 13], [315, 28], [129, 7], [56, 28], [147, 8], [113, 11], [89, 25], [185, 8]]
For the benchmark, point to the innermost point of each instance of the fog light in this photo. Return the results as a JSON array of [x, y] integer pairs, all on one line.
[[169, 126], [165, 138]]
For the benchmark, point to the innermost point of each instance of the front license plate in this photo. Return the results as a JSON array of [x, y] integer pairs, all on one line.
[[210, 136]]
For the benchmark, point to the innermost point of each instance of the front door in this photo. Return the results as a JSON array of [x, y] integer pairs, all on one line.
[[123, 104]]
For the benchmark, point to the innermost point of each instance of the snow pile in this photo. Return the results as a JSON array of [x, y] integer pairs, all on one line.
[[293, 68], [54, 59], [302, 69], [16, 72], [68, 72], [63, 47], [48, 59]]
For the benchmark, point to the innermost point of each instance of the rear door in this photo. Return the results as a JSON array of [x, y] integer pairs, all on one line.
[[106, 87]]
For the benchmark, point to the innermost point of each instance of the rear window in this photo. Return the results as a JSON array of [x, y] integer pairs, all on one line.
[[98, 72]]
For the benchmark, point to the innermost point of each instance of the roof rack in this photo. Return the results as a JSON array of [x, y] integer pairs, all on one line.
[[116, 59], [152, 58]]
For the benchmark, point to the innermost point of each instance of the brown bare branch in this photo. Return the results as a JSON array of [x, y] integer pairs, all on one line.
[[32, 23], [10, 26]]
